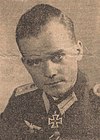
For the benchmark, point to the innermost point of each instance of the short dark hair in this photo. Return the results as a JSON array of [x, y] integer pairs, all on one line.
[[33, 20]]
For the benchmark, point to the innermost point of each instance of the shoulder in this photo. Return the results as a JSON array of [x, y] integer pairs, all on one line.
[[95, 91], [22, 95], [95, 108], [26, 93], [23, 89], [95, 98]]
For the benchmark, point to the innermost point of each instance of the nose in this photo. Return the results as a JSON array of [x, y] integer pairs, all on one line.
[[50, 69]]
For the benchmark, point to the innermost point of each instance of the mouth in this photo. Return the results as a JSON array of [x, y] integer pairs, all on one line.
[[54, 83]]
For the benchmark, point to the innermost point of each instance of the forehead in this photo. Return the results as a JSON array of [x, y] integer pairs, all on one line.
[[54, 37]]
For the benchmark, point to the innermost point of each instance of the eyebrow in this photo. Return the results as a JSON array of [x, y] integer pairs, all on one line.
[[31, 55], [55, 53], [49, 53]]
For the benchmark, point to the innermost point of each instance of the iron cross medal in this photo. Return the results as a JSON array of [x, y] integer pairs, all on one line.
[[55, 120]]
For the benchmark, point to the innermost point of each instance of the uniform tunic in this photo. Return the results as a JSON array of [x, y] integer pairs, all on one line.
[[28, 111]]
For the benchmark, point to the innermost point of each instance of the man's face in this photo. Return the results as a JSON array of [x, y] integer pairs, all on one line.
[[51, 59]]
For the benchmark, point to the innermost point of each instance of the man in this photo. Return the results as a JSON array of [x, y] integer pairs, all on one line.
[[59, 105]]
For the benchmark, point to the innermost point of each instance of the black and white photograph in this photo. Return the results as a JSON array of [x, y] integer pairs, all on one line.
[[49, 70]]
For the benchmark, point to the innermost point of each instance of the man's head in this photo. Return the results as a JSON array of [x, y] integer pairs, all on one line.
[[48, 45]]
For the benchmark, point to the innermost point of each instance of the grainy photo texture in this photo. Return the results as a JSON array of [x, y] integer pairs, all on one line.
[[53, 47]]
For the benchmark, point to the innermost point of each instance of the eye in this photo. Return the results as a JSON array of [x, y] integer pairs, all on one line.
[[57, 58], [33, 62]]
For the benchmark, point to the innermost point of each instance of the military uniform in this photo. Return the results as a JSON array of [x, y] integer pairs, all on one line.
[[32, 114]]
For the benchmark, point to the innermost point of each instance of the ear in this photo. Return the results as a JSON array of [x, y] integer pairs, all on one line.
[[79, 49]]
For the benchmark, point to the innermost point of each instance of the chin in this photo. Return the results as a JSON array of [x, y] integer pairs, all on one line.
[[59, 90]]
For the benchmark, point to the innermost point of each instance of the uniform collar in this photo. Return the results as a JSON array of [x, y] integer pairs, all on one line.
[[63, 106]]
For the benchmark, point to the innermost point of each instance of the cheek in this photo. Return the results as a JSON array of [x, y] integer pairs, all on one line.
[[68, 66], [36, 74], [37, 79]]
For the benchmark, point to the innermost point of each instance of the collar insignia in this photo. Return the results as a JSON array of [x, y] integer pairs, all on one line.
[[67, 103]]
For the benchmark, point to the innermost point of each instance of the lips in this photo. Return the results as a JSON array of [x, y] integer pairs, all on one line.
[[54, 83]]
